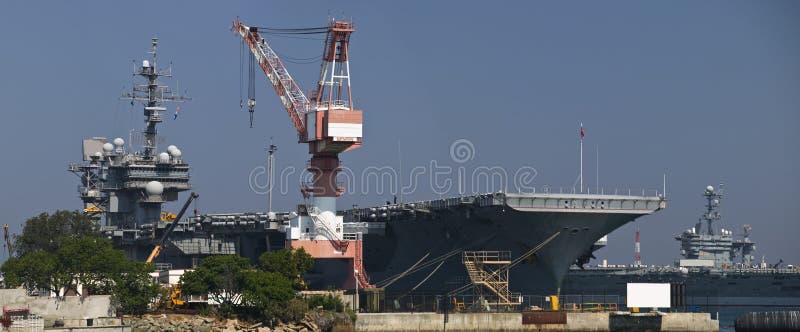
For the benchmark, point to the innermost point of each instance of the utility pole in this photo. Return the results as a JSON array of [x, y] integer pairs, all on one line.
[[270, 173], [581, 158], [637, 257]]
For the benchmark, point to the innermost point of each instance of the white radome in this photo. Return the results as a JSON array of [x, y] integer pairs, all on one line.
[[98, 154], [171, 148], [108, 147], [710, 189], [163, 157], [176, 153], [154, 188], [119, 142]]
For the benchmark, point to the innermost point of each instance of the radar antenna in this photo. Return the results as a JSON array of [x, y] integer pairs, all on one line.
[[713, 199], [152, 95]]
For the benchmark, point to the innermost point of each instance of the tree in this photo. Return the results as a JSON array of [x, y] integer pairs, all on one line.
[[93, 262], [46, 232], [288, 262], [88, 261], [267, 293], [133, 289], [36, 270], [221, 277]]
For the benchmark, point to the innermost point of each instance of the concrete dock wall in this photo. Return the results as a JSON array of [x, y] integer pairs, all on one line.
[[407, 322], [73, 308]]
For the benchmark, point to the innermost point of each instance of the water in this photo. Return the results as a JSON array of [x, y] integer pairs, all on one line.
[[728, 315]]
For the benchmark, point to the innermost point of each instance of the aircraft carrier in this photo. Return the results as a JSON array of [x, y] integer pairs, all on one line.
[[405, 246], [717, 268]]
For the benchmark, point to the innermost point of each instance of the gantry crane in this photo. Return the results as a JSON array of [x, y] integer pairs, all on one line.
[[327, 122]]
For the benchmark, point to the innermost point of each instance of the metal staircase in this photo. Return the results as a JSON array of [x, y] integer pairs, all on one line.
[[488, 271], [358, 264]]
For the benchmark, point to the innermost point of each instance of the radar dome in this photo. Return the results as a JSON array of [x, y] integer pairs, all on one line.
[[176, 153], [98, 154], [163, 157], [171, 148], [154, 188], [710, 189], [108, 147], [119, 142]]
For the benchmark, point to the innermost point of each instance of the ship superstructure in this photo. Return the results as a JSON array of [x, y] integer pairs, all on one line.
[[707, 249], [716, 268], [125, 189]]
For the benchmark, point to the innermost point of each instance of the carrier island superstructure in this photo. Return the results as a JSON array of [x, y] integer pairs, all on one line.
[[408, 246], [716, 268]]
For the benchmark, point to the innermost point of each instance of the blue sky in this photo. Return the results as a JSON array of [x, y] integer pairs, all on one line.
[[702, 91]]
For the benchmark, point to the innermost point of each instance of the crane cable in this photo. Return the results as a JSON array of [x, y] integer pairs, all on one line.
[[251, 88], [513, 263], [414, 268]]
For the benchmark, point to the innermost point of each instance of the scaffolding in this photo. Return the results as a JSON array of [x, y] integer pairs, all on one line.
[[488, 271]]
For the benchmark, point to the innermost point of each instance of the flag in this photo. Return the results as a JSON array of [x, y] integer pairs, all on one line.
[[582, 132], [177, 109]]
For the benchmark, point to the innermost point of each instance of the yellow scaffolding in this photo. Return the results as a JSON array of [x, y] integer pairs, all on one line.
[[488, 271]]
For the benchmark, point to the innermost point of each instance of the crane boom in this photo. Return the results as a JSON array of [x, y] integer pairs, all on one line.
[[292, 97], [160, 245]]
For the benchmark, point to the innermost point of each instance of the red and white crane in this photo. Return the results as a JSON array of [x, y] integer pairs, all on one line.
[[330, 125]]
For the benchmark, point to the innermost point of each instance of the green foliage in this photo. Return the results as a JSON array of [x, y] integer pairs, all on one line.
[[351, 314], [265, 288], [36, 270], [89, 261], [204, 309], [59, 251], [327, 302], [268, 293], [295, 310], [93, 262], [221, 277], [133, 289], [290, 263], [46, 232]]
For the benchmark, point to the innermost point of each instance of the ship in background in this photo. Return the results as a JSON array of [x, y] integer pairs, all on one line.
[[716, 268], [402, 247]]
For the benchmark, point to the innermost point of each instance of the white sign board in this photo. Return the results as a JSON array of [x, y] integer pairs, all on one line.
[[648, 295]]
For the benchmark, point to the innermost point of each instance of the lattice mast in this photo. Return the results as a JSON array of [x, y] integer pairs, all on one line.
[[152, 94]]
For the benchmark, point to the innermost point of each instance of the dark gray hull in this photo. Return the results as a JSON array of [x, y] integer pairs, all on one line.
[[743, 288], [490, 228], [418, 233], [405, 233]]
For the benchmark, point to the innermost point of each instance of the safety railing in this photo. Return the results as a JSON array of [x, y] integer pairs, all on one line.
[[613, 191]]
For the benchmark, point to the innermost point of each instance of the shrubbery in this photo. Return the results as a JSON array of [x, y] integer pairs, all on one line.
[[58, 252], [327, 302], [266, 292]]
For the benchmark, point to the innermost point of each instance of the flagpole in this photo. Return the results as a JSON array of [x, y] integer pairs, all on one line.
[[581, 158]]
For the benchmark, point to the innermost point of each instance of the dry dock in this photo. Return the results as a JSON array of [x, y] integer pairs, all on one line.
[[536, 321]]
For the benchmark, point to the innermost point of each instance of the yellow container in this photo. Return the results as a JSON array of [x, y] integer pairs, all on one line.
[[634, 310], [554, 302]]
